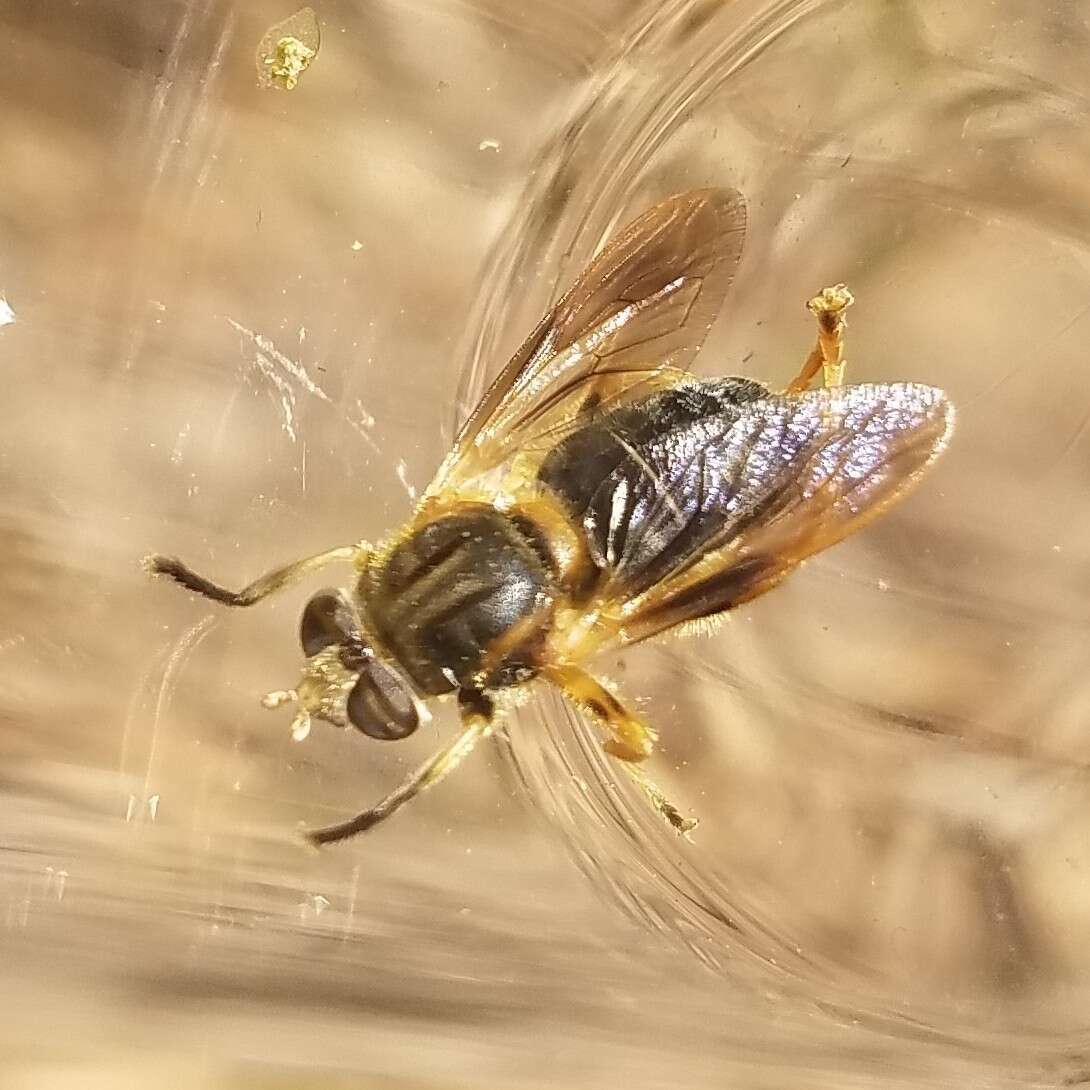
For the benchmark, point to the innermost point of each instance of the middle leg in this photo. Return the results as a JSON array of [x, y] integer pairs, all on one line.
[[630, 739]]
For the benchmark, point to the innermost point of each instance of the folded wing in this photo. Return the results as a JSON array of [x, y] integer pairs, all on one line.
[[634, 318], [721, 510]]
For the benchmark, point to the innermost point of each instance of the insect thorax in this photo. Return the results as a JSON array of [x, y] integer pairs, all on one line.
[[465, 600]]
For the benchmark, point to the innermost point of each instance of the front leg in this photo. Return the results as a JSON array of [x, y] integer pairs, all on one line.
[[478, 720], [267, 584], [630, 740]]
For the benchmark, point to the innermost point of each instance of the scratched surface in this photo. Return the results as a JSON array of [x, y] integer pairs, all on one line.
[[237, 324]]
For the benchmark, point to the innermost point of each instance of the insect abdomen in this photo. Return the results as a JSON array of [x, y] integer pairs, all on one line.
[[465, 593], [634, 479]]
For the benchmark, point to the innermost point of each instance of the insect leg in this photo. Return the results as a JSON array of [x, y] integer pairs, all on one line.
[[478, 720], [827, 355], [630, 739], [253, 592], [659, 802]]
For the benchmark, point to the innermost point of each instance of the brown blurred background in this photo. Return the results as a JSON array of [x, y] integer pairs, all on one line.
[[246, 323]]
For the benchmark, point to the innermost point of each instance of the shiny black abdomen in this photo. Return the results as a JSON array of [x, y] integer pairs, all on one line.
[[456, 588], [646, 482]]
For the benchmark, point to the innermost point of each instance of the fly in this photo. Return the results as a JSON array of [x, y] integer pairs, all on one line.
[[597, 496]]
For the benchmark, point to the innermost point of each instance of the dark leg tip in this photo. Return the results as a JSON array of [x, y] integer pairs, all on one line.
[[173, 568], [157, 564], [333, 834]]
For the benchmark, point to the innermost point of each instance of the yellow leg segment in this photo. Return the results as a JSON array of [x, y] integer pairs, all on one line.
[[630, 739], [827, 355]]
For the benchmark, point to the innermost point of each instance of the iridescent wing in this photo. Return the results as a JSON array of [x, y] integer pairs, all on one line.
[[718, 512], [636, 316]]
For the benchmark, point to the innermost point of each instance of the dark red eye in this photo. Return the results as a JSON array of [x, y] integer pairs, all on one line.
[[382, 704], [328, 619]]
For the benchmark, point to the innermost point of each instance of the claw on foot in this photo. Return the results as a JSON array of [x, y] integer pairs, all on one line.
[[681, 825]]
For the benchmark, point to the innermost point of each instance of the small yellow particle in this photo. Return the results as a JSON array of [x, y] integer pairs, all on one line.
[[287, 49]]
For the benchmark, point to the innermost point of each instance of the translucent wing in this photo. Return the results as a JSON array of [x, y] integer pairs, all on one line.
[[716, 512], [641, 309]]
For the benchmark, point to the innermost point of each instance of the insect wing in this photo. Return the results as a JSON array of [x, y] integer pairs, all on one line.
[[642, 307], [792, 476]]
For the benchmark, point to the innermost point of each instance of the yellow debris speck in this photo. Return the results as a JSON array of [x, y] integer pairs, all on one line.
[[287, 50]]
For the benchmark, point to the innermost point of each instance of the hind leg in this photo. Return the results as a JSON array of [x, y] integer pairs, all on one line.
[[827, 355]]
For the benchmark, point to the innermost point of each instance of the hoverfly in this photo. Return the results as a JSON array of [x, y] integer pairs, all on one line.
[[597, 496]]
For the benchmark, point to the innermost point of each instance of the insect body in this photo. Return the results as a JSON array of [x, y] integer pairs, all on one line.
[[597, 496]]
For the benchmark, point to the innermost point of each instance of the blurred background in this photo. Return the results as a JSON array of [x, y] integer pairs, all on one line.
[[241, 324]]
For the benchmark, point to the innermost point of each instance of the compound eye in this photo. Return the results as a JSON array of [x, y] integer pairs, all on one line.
[[382, 703], [328, 619]]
